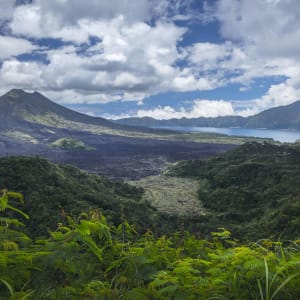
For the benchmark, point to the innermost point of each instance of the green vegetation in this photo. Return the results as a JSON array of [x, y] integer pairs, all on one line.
[[70, 144], [20, 136], [86, 258], [53, 191], [58, 244], [253, 190]]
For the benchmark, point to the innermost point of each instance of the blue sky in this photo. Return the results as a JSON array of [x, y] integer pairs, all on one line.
[[158, 58]]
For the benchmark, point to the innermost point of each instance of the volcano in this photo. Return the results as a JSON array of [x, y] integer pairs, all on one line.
[[33, 125]]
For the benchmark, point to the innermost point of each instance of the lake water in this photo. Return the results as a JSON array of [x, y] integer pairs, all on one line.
[[286, 136]]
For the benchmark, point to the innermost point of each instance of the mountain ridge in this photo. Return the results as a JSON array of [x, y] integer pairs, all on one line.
[[281, 117], [18, 105]]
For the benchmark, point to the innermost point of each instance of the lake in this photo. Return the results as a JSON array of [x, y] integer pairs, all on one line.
[[284, 136]]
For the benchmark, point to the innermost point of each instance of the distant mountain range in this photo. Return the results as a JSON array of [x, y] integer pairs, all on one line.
[[282, 117]]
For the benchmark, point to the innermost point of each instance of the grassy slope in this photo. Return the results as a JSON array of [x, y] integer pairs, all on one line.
[[253, 190], [55, 121]]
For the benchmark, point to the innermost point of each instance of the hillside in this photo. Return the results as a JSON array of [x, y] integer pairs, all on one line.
[[33, 115], [53, 191], [19, 108], [283, 117], [253, 190]]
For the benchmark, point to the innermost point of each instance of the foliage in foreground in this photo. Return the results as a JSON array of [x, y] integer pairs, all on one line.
[[88, 259]]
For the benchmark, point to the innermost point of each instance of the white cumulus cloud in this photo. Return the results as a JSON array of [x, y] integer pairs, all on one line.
[[10, 46], [200, 108], [263, 37]]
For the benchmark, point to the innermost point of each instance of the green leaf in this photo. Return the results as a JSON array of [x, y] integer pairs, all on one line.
[[18, 210], [9, 287], [283, 284]]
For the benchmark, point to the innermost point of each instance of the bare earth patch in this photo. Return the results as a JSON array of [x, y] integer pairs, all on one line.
[[173, 195]]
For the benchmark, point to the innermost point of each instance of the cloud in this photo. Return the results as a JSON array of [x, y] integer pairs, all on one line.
[[10, 46], [26, 74], [116, 49], [208, 55], [129, 50], [278, 95], [233, 63], [131, 60], [272, 27], [200, 108], [7, 9], [261, 41], [63, 19]]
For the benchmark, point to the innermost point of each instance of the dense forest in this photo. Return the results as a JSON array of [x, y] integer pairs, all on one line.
[[86, 258], [52, 191], [253, 191]]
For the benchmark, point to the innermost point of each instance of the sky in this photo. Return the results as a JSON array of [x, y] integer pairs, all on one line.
[[158, 58]]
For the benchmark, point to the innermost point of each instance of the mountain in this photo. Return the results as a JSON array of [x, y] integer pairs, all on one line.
[[32, 125], [19, 109], [34, 114], [283, 117], [230, 121]]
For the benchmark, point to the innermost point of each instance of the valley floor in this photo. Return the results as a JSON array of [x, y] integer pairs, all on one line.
[[115, 156]]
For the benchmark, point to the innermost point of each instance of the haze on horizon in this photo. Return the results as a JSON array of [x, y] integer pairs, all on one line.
[[158, 58]]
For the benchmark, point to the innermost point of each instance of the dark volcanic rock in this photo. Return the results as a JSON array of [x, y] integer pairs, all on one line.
[[116, 156]]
